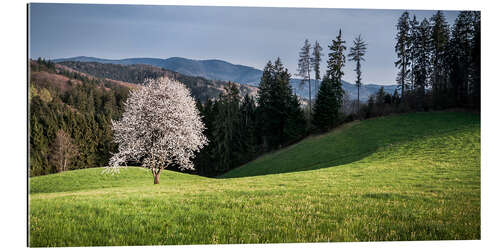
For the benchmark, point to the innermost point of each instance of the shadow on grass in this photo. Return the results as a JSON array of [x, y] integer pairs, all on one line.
[[354, 141]]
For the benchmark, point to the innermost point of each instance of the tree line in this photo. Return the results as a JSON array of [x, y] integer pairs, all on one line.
[[439, 66]]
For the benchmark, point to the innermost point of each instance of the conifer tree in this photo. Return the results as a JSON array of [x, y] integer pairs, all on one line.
[[460, 48], [357, 53], [274, 101], [248, 129], [324, 116], [413, 36], [379, 96], [330, 94], [440, 35], [264, 109], [422, 58], [305, 67], [395, 97], [402, 51], [336, 58], [295, 124], [316, 64], [476, 60]]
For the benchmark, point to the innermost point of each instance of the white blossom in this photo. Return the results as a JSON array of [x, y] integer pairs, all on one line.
[[160, 126]]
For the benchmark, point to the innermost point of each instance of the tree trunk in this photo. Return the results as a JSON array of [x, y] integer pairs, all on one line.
[[310, 101], [157, 176], [358, 101], [403, 77]]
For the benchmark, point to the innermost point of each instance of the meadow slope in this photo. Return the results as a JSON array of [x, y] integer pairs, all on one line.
[[405, 177]]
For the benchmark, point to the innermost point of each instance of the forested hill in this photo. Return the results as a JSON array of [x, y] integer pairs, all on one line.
[[200, 87], [215, 70], [68, 105]]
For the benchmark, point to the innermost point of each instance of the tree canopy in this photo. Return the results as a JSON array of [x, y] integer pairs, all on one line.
[[160, 128]]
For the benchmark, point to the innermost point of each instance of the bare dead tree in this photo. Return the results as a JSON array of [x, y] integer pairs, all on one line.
[[63, 151]]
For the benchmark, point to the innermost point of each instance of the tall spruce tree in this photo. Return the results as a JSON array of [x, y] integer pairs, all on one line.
[[460, 52], [316, 64], [336, 59], [476, 61], [440, 36], [305, 67], [330, 95], [264, 108], [422, 60], [402, 51], [357, 53], [413, 36]]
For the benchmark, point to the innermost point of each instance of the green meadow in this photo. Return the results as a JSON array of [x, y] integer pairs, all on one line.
[[404, 177]]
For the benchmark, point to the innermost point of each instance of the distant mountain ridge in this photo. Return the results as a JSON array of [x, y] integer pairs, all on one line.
[[215, 69], [201, 88], [212, 69]]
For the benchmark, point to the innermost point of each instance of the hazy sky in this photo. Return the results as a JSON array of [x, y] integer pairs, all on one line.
[[240, 35]]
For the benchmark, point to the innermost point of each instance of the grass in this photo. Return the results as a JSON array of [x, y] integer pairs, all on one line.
[[370, 181], [355, 141]]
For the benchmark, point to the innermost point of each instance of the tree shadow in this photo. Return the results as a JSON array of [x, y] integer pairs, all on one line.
[[353, 143]]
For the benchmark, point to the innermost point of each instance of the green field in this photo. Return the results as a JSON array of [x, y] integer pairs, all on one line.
[[405, 177]]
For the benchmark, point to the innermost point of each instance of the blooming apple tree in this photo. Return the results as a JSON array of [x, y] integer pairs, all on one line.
[[160, 127]]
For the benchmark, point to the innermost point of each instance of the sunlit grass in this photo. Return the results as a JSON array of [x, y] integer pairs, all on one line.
[[402, 187]]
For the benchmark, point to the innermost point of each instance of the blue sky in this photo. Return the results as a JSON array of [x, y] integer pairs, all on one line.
[[240, 35]]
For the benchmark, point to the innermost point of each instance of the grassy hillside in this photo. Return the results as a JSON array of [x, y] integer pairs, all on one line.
[[355, 141], [369, 181]]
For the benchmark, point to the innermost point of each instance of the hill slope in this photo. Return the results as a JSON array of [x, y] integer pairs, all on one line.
[[353, 142], [200, 87], [420, 187]]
